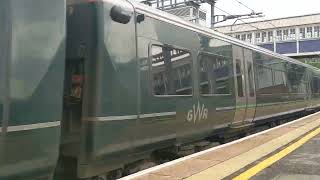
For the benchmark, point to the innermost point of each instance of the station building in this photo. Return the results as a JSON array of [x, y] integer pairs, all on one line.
[[297, 37]]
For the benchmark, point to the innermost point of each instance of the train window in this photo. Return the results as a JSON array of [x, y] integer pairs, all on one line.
[[264, 79], [214, 74], [171, 71], [278, 74], [250, 77], [315, 85], [239, 74], [297, 82]]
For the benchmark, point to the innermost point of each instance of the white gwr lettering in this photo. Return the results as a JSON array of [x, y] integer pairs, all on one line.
[[197, 113]]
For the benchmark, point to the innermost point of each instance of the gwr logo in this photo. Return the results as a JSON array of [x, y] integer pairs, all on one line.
[[197, 113]]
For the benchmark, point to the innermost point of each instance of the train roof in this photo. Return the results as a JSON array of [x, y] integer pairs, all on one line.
[[172, 19]]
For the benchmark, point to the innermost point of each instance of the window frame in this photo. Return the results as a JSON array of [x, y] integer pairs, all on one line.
[[243, 37], [302, 33], [316, 30], [270, 36], [257, 37], [198, 74], [264, 37], [151, 73], [285, 34], [279, 35], [292, 33], [249, 37]]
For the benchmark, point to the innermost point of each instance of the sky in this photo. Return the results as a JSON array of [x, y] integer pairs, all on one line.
[[270, 8]]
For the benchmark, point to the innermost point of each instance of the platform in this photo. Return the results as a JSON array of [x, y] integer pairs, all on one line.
[[303, 163], [255, 156]]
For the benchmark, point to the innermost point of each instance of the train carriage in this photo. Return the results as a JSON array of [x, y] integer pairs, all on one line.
[[32, 53], [155, 82], [129, 84]]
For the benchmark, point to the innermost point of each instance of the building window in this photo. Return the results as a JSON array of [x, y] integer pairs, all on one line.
[[258, 37], [285, 34], [270, 36], [264, 36], [302, 32], [171, 71], [243, 37], [279, 35], [238, 36], [292, 34], [214, 74], [309, 32], [249, 37], [317, 31]]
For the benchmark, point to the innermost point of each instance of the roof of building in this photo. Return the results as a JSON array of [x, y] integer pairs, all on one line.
[[271, 23]]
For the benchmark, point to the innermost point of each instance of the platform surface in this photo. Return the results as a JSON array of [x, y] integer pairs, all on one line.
[[229, 160], [303, 163]]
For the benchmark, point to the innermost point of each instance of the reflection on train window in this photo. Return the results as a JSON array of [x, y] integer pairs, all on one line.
[[315, 88], [271, 78], [171, 71], [297, 83], [250, 77], [264, 79], [239, 74], [214, 74]]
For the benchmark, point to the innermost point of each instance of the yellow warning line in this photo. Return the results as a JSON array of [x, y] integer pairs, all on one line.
[[268, 162]]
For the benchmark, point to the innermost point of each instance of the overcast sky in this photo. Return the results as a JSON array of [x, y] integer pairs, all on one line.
[[271, 8]]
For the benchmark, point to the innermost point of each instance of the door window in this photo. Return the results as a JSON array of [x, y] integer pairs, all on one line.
[[250, 79], [239, 73]]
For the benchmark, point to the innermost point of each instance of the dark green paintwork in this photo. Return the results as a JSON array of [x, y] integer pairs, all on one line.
[[117, 77], [118, 83], [36, 73]]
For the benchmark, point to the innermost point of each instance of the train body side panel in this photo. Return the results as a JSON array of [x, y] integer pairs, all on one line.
[[29, 149], [174, 118], [282, 87], [109, 110], [5, 34]]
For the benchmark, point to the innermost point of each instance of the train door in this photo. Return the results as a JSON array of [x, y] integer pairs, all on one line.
[[244, 86], [250, 90]]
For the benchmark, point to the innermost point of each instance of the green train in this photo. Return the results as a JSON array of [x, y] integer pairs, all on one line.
[[95, 89]]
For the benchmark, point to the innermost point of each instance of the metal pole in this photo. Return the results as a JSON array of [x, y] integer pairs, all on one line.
[[213, 3]]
